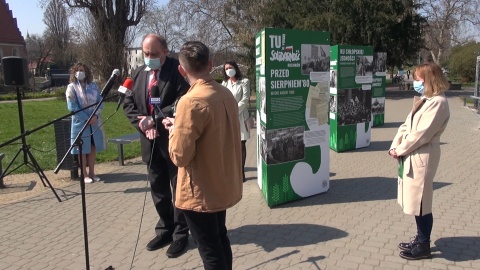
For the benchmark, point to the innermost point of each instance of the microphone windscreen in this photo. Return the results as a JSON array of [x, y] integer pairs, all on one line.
[[128, 83], [126, 87], [155, 91]]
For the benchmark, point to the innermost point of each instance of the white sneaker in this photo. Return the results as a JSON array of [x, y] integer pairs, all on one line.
[[88, 180], [96, 178]]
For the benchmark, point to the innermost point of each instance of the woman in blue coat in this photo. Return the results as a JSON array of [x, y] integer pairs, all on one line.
[[82, 92]]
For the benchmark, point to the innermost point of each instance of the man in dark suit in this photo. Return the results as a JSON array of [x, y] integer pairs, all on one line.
[[162, 71]]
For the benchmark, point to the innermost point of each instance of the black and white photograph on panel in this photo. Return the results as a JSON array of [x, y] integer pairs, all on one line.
[[263, 98], [315, 58], [380, 62], [333, 78], [354, 106], [364, 66], [333, 104], [378, 105], [263, 143], [285, 144]]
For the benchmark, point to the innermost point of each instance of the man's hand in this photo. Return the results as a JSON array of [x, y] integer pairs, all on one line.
[[151, 133], [145, 123], [168, 123]]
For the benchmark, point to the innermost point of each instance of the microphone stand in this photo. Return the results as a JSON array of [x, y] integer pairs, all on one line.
[[78, 143]]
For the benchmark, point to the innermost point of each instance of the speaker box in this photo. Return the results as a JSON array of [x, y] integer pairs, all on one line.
[[15, 71]]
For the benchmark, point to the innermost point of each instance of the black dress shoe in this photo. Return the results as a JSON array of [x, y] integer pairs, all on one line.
[[418, 251], [408, 246], [158, 242], [177, 247]]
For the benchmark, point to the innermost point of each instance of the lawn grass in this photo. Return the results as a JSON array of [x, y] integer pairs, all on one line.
[[42, 142], [58, 92]]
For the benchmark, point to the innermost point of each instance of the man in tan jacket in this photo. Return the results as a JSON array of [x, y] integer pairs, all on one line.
[[205, 145]]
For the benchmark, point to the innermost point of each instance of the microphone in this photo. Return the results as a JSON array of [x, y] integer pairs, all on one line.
[[125, 90], [156, 101], [110, 82]]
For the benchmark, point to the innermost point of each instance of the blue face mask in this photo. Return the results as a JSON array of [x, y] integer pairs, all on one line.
[[153, 63], [418, 86]]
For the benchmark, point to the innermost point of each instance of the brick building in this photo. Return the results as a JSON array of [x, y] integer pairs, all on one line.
[[12, 42]]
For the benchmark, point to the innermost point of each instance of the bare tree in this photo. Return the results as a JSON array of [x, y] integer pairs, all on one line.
[[160, 20], [85, 35], [58, 32], [246, 19], [228, 27], [38, 51], [204, 20], [111, 21], [447, 23]]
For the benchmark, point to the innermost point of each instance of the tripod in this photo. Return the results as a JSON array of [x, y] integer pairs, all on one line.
[[28, 159]]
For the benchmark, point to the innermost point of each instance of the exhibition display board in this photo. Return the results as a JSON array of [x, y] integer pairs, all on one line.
[[292, 71], [351, 76], [378, 88]]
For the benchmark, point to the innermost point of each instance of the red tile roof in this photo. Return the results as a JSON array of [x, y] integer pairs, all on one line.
[[9, 32]]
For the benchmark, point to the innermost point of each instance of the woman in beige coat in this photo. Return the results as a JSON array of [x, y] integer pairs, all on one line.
[[240, 88], [417, 147]]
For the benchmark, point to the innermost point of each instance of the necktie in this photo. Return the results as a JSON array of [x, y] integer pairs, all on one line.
[[150, 85]]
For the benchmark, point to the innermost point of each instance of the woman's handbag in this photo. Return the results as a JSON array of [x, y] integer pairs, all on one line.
[[249, 119], [250, 123]]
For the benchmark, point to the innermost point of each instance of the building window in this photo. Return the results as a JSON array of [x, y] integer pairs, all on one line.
[[15, 52]]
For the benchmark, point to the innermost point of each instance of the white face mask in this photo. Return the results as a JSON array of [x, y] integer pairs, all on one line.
[[230, 72], [80, 75]]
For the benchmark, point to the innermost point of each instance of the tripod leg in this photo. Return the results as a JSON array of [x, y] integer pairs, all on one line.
[[40, 173], [5, 173], [33, 167]]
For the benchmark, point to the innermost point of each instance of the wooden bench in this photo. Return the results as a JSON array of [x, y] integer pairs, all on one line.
[[120, 141], [455, 86], [476, 101], [465, 97]]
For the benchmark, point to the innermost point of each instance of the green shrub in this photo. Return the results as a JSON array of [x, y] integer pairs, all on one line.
[[463, 60]]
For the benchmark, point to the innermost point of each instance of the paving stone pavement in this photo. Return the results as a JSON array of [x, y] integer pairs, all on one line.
[[357, 224]]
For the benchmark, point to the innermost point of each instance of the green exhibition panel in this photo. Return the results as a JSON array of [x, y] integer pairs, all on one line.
[[378, 88], [292, 71], [351, 76]]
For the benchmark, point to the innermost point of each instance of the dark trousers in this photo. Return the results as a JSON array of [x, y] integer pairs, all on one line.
[[210, 233], [244, 157], [424, 227], [163, 181]]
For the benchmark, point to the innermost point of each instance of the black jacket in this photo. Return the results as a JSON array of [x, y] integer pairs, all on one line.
[[172, 86]]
